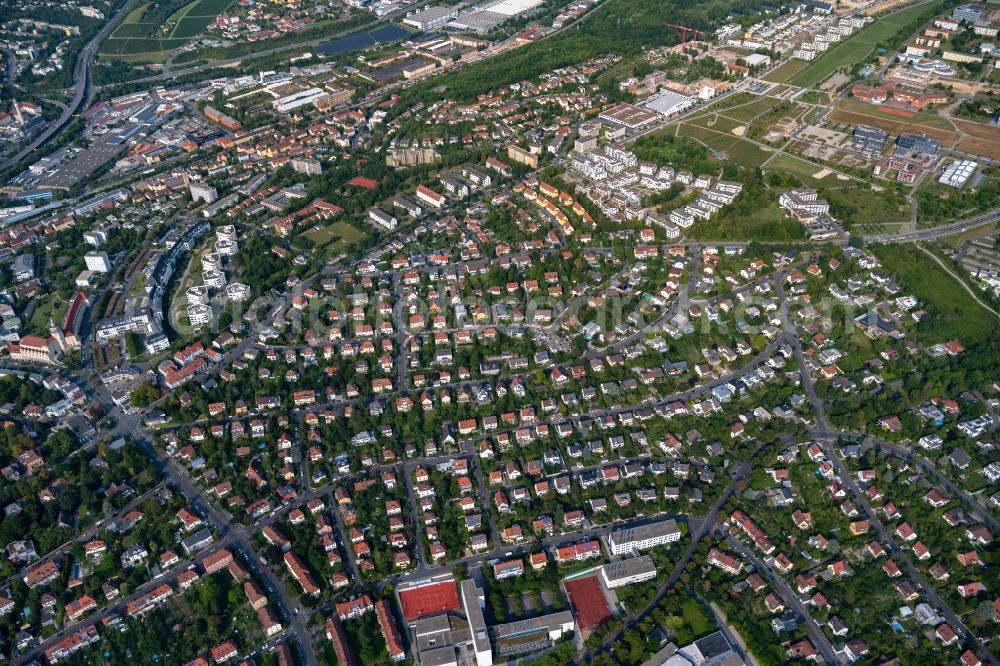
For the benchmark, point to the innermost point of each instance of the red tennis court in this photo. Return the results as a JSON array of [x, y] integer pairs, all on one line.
[[428, 599], [589, 604]]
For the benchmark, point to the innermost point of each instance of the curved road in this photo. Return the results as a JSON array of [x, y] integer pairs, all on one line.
[[81, 86], [171, 73], [959, 280]]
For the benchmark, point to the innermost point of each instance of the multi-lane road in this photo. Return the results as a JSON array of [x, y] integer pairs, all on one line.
[[81, 86], [936, 232]]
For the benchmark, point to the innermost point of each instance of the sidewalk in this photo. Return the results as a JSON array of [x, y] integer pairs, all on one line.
[[730, 631]]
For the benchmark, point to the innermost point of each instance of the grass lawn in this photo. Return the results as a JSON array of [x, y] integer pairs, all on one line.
[[787, 71], [975, 483], [845, 53], [338, 234], [772, 213], [766, 224], [718, 122], [951, 312], [695, 617], [857, 46], [732, 147], [747, 154], [815, 97], [157, 58], [706, 136], [731, 102], [956, 240], [804, 169], [748, 112], [900, 19], [51, 307], [872, 207]]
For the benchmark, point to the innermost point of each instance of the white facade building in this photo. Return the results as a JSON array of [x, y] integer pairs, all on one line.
[[199, 315], [197, 295], [211, 262], [203, 192], [226, 248], [214, 279], [632, 539], [97, 262], [627, 572], [238, 292]]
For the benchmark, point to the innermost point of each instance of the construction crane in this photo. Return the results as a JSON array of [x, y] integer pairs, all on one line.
[[684, 31]]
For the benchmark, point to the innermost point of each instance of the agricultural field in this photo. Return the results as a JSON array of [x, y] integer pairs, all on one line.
[[140, 46], [144, 31], [981, 147], [921, 120], [977, 130], [970, 137]]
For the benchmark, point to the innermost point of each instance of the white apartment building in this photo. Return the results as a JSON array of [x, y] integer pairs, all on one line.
[[803, 201], [199, 315], [627, 572], [203, 192], [197, 295], [211, 262], [238, 292], [214, 279], [97, 262], [225, 248], [632, 539], [226, 232]]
